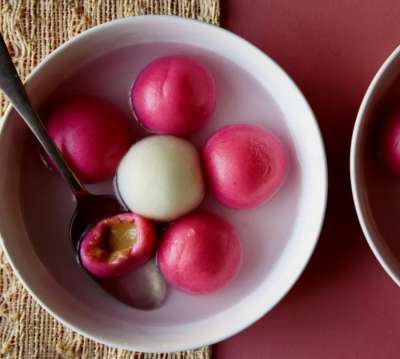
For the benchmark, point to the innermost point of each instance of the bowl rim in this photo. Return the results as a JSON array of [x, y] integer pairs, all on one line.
[[378, 247], [203, 26]]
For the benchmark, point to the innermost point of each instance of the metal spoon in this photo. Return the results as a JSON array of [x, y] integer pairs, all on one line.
[[148, 285]]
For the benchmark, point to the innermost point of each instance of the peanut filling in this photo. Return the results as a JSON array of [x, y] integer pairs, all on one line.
[[118, 239]]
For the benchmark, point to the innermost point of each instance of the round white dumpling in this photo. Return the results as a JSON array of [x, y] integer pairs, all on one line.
[[160, 178]]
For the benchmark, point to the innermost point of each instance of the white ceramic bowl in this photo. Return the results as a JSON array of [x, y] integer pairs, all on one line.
[[278, 238], [375, 192]]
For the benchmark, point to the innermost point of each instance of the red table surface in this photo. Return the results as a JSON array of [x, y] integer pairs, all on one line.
[[344, 305]]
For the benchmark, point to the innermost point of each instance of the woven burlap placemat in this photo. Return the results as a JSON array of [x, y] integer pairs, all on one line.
[[32, 29]]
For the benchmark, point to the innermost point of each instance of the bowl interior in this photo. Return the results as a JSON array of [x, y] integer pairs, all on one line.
[[278, 238], [377, 192]]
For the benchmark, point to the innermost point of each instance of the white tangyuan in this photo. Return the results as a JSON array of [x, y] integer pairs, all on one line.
[[160, 178]]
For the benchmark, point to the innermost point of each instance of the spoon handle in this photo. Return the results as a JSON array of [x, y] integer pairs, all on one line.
[[14, 89]]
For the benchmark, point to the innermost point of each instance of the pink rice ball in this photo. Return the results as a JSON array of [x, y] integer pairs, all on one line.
[[245, 165], [92, 135], [390, 143], [199, 253], [117, 245], [174, 96]]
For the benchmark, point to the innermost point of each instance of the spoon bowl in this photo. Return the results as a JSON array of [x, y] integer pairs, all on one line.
[[89, 210]]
